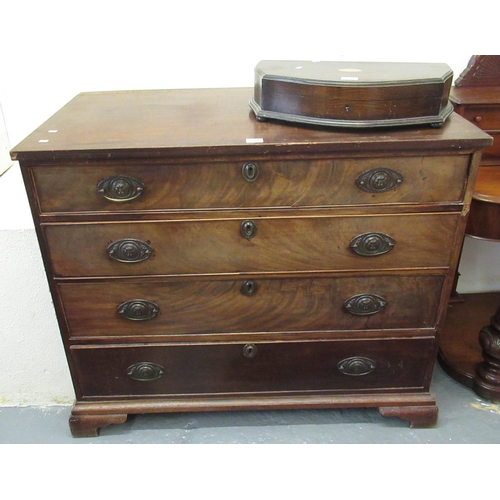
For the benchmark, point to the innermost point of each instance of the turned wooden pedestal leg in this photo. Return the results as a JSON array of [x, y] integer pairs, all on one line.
[[487, 378]]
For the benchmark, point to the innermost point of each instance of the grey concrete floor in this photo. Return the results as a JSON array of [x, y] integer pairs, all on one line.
[[464, 417]]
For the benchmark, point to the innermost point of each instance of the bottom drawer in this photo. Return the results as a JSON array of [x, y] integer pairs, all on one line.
[[341, 365]]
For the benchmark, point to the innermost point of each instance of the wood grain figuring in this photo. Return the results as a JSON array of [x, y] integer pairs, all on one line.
[[279, 184], [196, 247], [278, 305]]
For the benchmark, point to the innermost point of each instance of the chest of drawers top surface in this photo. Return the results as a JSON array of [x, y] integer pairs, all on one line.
[[201, 122]]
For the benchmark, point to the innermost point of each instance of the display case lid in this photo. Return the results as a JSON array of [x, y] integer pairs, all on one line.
[[354, 73]]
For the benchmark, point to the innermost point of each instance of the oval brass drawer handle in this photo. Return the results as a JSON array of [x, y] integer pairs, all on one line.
[[356, 366], [129, 250], [379, 180], [120, 188], [250, 171], [138, 310], [365, 304], [145, 371], [248, 229], [372, 244]]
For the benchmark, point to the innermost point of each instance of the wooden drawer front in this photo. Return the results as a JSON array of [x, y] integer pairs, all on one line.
[[253, 368], [277, 184], [253, 305], [281, 244], [485, 117]]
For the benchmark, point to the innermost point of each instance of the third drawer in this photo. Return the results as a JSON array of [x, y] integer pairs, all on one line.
[[173, 308]]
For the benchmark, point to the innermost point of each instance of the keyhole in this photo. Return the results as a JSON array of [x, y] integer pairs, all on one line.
[[248, 229], [248, 288], [250, 171], [249, 350]]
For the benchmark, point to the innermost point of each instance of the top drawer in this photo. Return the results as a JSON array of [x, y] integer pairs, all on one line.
[[140, 186]]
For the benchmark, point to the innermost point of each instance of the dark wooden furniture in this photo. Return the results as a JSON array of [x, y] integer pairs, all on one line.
[[471, 359], [352, 94], [202, 260]]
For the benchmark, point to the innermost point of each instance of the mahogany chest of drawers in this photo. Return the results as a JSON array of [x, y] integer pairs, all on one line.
[[201, 260]]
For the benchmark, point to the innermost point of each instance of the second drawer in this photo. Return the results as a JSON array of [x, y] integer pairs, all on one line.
[[252, 245], [159, 309]]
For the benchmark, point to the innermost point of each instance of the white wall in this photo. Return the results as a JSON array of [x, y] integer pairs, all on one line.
[[52, 50]]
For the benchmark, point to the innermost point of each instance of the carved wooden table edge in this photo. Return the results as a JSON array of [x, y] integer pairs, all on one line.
[[420, 409]]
